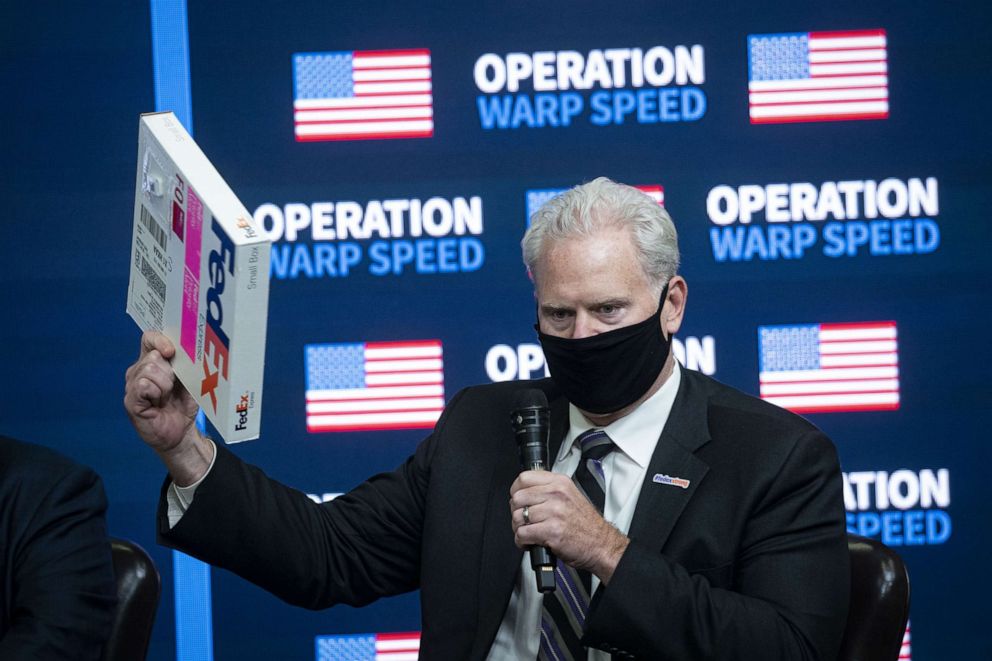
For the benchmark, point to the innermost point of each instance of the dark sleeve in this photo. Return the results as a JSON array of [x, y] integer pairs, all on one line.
[[791, 584], [63, 578], [360, 546]]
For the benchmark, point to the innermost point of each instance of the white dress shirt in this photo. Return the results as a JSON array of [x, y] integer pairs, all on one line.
[[635, 435], [180, 498]]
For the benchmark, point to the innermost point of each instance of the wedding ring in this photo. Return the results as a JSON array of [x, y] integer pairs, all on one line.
[[526, 515]]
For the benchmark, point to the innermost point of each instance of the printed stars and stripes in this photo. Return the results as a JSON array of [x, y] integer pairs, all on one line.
[[368, 647], [366, 386], [810, 368], [537, 197], [818, 76], [363, 95]]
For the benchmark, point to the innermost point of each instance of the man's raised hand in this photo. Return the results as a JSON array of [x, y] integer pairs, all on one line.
[[163, 412]]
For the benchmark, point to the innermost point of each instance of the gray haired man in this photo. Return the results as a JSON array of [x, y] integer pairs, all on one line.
[[690, 520]]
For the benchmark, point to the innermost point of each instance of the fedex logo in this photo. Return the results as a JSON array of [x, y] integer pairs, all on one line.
[[242, 410], [216, 346], [245, 226]]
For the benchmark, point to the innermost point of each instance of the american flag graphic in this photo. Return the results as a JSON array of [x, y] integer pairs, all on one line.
[[362, 95], [536, 198], [812, 368], [369, 647], [905, 652], [364, 386], [656, 193], [817, 76]]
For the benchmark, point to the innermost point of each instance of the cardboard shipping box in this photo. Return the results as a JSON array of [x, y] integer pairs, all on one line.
[[200, 274]]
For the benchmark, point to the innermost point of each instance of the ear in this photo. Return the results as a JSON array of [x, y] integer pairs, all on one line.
[[674, 305]]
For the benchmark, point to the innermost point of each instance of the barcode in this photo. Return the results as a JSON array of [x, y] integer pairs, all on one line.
[[157, 232], [156, 283]]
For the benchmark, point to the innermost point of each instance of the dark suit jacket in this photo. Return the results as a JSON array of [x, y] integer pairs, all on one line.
[[749, 561], [57, 591]]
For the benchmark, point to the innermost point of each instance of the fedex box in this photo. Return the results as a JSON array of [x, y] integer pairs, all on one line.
[[199, 274]]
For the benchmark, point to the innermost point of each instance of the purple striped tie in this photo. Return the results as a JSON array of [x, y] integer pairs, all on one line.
[[563, 616]]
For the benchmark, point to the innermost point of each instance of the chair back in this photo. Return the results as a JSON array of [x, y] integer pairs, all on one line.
[[879, 607], [138, 589]]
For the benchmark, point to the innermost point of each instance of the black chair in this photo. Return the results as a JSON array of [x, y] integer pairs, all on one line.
[[879, 609], [138, 589]]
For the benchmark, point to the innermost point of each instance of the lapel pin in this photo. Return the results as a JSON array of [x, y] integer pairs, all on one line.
[[659, 478]]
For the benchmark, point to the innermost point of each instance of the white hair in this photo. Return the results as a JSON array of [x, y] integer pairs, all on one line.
[[602, 203]]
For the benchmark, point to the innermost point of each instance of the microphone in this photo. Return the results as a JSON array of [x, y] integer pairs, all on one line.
[[531, 421]]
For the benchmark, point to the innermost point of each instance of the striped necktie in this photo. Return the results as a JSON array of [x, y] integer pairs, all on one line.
[[564, 612]]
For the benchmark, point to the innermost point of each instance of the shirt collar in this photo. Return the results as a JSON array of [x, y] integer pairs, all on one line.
[[636, 434]]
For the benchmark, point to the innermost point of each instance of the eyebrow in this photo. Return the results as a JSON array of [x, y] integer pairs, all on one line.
[[618, 301], [549, 309]]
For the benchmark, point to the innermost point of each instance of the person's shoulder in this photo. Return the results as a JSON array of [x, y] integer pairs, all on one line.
[[501, 395], [38, 466], [490, 402], [750, 434], [734, 412]]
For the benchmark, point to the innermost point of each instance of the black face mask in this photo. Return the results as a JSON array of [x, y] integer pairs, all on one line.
[[610, 371]]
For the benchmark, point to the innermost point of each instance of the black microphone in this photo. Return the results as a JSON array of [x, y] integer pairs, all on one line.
[[531, 421]]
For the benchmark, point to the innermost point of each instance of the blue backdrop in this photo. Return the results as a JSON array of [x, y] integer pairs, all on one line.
[[832, 213]]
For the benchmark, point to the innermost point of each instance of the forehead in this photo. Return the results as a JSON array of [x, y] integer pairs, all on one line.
[[586, 268]]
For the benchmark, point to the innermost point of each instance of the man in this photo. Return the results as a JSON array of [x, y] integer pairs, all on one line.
[[57, 590], [722, 526]]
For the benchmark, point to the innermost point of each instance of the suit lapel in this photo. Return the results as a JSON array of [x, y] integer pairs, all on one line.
[[660, 505], [500, 556]]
